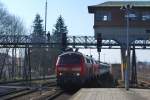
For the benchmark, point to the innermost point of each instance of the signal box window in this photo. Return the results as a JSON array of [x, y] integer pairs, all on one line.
[[133, 15], [146, 16], [103, 16]]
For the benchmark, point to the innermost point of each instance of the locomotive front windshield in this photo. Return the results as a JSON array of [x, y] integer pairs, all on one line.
[[70, 59]]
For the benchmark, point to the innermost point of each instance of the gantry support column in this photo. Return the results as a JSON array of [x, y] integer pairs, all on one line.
[[123, 62], [127, 70], [27, 65], [133, 70], [25, 69]]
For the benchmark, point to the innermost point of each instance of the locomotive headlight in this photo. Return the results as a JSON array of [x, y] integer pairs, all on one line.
[[78, 74], [60, 74]]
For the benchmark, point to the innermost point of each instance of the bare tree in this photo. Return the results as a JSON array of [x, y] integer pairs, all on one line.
[[10, 25]]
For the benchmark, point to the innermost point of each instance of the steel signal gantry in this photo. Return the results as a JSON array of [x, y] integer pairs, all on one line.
[[23, 41]]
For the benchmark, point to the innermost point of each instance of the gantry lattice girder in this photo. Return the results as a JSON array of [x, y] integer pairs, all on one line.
[[22, 41]]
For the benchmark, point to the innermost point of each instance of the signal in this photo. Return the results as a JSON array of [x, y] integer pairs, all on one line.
[[99, 42], [64, 41]]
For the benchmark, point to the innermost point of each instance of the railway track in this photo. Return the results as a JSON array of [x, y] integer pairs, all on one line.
[[49, 92], [49, 95], [11, 92], [17, 91], [15, 94], [144, 84], [23, 93], [143, 80], [16, 82]]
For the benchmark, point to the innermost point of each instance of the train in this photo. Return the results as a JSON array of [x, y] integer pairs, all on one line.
[[76, 68]]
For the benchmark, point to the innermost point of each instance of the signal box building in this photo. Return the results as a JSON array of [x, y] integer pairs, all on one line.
[[110, 19], [115, 19]]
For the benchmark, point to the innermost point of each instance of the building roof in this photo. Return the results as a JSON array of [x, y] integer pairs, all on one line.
[[119, 4], [122, 3]]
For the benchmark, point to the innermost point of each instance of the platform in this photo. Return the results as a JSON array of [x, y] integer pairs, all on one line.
[[111, 94]]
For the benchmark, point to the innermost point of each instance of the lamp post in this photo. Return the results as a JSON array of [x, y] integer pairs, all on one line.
[[127, 9], [45, 15]]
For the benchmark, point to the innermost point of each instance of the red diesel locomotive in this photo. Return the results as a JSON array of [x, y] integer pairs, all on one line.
[[76, 68]]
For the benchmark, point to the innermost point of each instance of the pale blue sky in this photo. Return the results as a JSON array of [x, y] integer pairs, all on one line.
[[75, 13], [76, 17]]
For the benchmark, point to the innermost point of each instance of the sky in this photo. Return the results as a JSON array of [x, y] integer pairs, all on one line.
[[76, 17]]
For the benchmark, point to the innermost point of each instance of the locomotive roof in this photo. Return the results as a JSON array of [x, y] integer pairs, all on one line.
[[81, 54], [71, 52]]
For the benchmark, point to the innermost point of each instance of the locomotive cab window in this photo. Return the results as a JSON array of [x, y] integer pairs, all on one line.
[[70, 59]]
